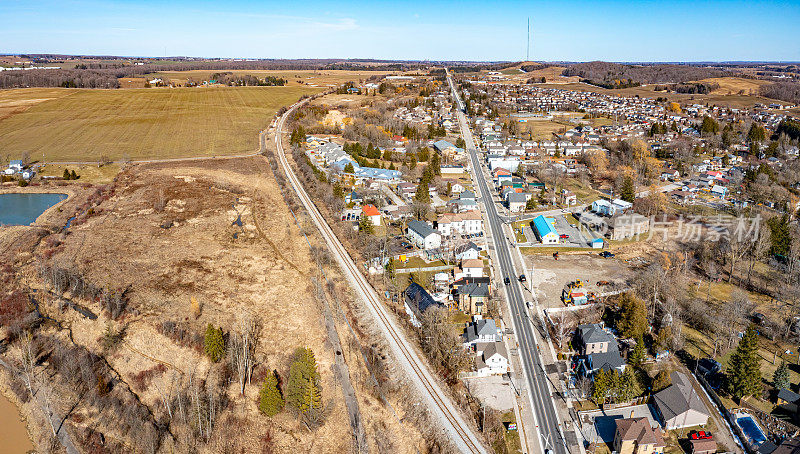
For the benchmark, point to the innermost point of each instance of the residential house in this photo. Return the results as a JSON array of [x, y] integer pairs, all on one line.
[[516, 202], [788, 400], [492, 358], [703, 446], [16, 165], [602, 207], [470, 268], [467, 223], [466, 251], [592, 338], [670, 175], [473, 297], [417, 301], [719, 191], [544, 228], [599, 350], [481, 330], [423, 236], [568, 198], [680, 405], [372, 214], [636, 436], [354, 198]]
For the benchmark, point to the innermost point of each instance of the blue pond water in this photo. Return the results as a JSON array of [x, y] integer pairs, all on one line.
[[751, 430], [23, 209]]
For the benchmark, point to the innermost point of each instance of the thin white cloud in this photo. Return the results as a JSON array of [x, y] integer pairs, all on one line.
[[340, 25]]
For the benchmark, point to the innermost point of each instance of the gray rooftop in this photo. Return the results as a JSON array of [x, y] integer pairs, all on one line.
[[679, 398], [421, 228]]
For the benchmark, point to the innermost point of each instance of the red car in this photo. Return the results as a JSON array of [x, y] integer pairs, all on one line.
[[700, 435], [563, 236]]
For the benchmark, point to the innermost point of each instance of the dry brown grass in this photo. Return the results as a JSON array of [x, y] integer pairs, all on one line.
[[736, 85], [124, 245]]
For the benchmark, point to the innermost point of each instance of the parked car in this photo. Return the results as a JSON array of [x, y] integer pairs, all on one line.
[[606, 254], [564, 236], [700, 435], [603, 283]]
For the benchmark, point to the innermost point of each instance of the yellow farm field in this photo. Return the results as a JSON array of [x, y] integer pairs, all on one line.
[[85, 125], [323, 78], [736, 85]]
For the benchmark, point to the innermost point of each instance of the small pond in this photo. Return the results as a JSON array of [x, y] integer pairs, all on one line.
[[13, 434], [23, 209]]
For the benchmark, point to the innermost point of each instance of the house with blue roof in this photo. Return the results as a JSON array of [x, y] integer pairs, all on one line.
[[372, 173], [545, 230]]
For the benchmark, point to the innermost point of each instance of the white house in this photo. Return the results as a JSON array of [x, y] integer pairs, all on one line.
[[372, 214], [467, 251], [620, 206], [466, 223], [481, 331], [602, 206], [423, 236], [719, 191], [492, 358], [471, 268], [15, 165]]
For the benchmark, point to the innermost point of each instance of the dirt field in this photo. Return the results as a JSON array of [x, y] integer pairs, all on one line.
[[17, 101], [168, 233], [550, 276], [83, 125]]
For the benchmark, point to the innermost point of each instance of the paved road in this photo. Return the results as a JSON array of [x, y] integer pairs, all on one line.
[[545, 416], [437, 400]]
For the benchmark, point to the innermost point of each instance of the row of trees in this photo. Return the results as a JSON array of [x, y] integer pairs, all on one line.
[[302, 392]]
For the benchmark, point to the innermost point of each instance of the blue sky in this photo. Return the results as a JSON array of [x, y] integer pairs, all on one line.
[[414, 30]]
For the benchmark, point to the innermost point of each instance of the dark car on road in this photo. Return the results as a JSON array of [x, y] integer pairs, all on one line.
[[522, 278], [606, 254], [506, 281]]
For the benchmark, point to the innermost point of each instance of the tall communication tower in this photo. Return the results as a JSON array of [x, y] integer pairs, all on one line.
[[528, 51]]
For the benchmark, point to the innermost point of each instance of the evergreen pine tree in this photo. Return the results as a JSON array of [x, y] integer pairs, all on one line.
[[628, 192], [66, 174], [302, 375], [781, 377], [633, 316], [270, 400], [601, 386], [638, 354], [628, 387], [365, 225], [73, 175], [744, 371], [435, 164], [214, 343]]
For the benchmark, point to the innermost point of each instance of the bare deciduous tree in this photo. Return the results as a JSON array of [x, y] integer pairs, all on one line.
[[242, 348]]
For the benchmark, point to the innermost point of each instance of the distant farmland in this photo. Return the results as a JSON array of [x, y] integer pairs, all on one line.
[[152, 123]]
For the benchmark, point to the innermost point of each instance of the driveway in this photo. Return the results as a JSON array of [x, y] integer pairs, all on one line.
[[576, 238]]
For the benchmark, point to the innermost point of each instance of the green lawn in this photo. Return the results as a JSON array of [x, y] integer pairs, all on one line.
[[513, 444]]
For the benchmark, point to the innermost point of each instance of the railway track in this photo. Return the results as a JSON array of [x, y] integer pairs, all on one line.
[[439, 404]]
